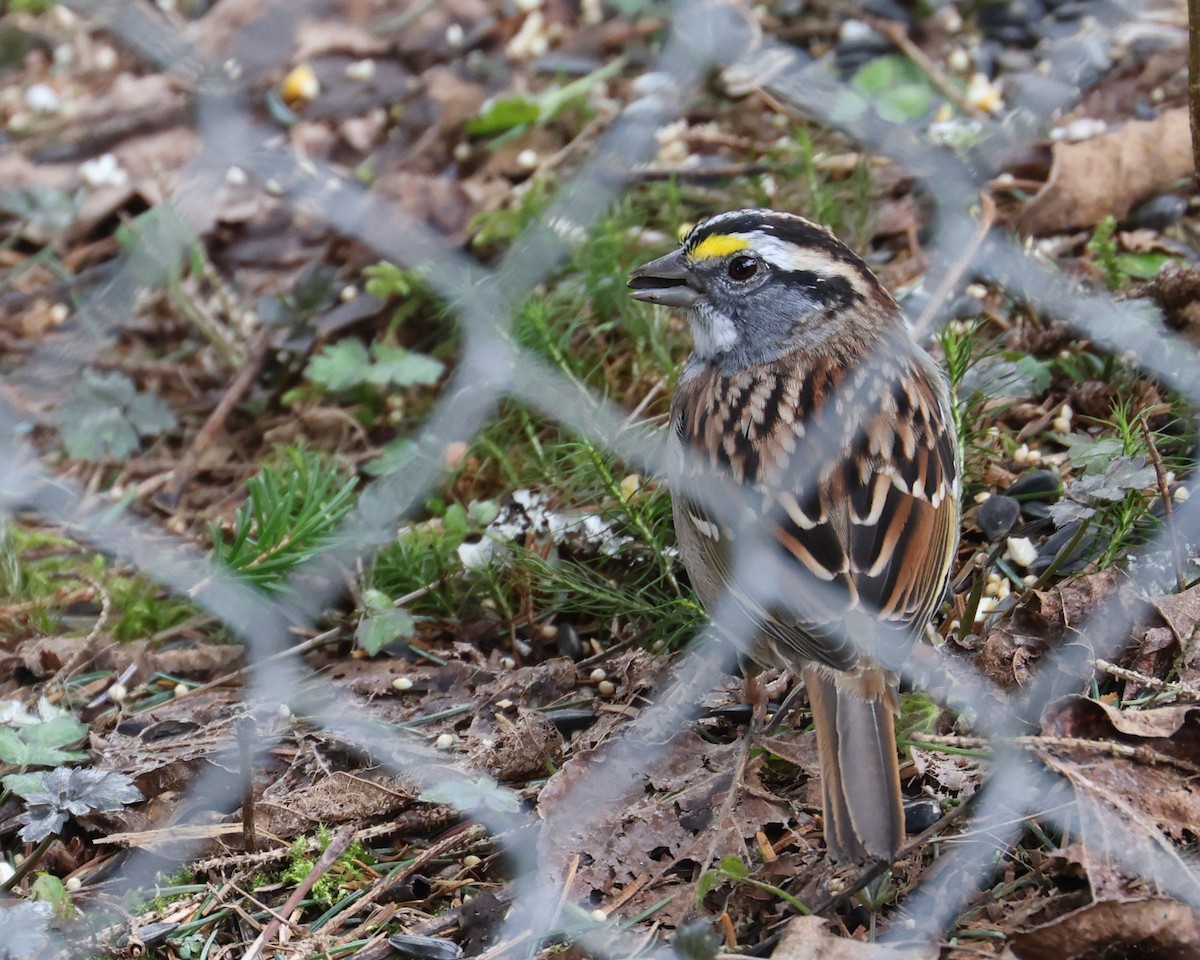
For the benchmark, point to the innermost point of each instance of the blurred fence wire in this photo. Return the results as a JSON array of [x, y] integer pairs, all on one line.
[[703, 36]]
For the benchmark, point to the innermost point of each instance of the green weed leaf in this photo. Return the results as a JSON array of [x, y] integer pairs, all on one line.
[[503, 115], [395, 366], [340, 366], [105, 416], [382, 623]]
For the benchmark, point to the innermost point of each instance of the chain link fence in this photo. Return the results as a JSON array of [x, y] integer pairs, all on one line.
[[701, 39]]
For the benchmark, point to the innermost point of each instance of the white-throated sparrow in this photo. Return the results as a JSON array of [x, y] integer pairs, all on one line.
[[806, 388]]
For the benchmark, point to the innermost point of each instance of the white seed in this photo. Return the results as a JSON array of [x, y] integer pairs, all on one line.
[[118, 692], [235, 176], [504, 704], [73, 884], [598, 674], [41, 98], [445, 741], [1029, 579], [402, 684], [360, 70], [600, 916], [959, 61], [1020, 550], [181, 690], [470, 860], [348, 293], [455, 35], [527, 159], [606, 688], [59, 313], [508, 663], [980, 497], [986, 606], [283, 711], [103, 171], [105, 57], [1180, 495]]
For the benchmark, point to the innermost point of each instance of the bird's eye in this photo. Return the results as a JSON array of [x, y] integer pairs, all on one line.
[[742, 268]]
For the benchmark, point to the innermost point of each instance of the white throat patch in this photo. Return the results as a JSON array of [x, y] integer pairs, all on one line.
[[713, 333]]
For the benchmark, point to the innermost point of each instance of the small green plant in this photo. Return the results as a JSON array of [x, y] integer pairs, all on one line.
[[1120, 267], [382, 623], [505, 117], [899, 90], [345, 869], [1116, 488], [348, 364], [53, 796], [38, 739], [290, 514], [106, 416], [731, 868]]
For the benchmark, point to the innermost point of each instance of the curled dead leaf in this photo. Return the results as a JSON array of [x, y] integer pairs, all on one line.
[[1108, 174], [1152, 927]]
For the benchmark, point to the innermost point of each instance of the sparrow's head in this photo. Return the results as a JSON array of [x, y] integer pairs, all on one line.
[[757, 284]]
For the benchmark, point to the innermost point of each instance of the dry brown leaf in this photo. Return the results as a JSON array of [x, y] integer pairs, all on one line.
[[806, 938], [339, 798], [1108, 174], [321, 37], [961, 776], [645, 824], [1154, 927], [530, 746], [1181, 612], [1172, 731], [1128, 808]]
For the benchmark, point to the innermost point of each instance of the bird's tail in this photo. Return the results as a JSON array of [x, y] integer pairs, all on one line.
[[860, 776]]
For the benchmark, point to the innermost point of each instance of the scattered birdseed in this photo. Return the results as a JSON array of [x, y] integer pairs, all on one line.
[[1020, 550]]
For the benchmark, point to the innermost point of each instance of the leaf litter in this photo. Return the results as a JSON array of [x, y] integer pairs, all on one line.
[[401, 104]]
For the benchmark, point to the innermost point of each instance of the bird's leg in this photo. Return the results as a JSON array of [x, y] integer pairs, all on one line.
[[754, 693]]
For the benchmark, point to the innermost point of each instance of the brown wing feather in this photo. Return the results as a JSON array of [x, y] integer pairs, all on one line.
[[882, 523]]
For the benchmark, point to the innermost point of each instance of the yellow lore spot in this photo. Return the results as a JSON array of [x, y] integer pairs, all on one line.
[[718, 245]]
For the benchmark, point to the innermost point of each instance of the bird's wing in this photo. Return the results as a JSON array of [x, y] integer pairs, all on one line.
[[859, 538]]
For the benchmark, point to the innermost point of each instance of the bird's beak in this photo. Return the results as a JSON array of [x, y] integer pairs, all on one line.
[[666, 280]]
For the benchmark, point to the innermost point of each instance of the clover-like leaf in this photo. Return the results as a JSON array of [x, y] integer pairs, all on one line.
[[106, 416], [1120, 476], [340, 366], [395, 366], [382, 623], [73, 792]]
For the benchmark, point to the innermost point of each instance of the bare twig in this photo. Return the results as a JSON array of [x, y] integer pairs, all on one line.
[[1164, 490], [256, 355], [1145, 680]]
